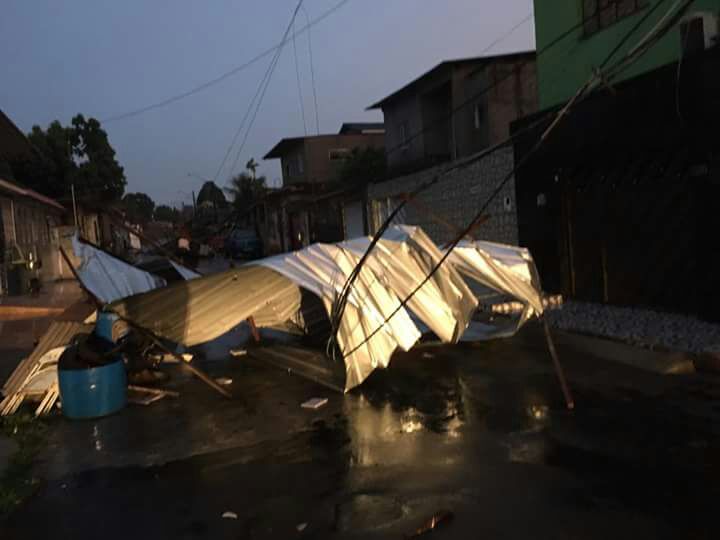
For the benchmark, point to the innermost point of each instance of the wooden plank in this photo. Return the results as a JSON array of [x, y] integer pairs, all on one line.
[[156, 391], [46, 399], [197, 372], [49, 340]]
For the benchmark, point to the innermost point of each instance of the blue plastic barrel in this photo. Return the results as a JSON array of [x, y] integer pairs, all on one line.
[[94, 392], [98, 391]]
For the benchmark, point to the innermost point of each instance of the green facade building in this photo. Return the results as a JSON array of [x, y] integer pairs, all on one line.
[[599, 25]]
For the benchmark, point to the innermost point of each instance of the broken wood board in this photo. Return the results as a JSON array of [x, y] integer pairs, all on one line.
[[35, 378], [141, 395]]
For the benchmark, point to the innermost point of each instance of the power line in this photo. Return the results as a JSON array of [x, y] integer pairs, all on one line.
[[432, 125], [271, 70], [312, 75], [297, 74], [224, 76], [507, 34], [582, 92], [339, 306], [244, 119]]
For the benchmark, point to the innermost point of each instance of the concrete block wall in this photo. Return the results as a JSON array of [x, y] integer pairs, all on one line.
[[458, 197]]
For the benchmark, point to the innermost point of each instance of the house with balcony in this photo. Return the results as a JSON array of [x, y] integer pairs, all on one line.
[[619, 203], [313, 204], [449, 114]]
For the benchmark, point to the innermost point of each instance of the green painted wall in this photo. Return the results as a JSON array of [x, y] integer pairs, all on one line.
[[568, 64]]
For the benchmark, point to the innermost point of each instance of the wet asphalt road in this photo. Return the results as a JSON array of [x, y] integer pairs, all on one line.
[[478, 431]]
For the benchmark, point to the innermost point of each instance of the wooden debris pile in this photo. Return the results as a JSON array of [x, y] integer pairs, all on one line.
[[35, 378]]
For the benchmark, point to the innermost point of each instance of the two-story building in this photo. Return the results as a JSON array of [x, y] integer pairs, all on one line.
[[619, 204], [447, 115], [313, 205]]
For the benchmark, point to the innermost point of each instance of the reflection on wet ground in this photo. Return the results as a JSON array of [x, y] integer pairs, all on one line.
[[480, 431]]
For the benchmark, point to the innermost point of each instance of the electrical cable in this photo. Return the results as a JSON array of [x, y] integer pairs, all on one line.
[[257, 100], [582, 92], [299, 85], [339, 306], [312, 74], [223, 76], [511, 73]]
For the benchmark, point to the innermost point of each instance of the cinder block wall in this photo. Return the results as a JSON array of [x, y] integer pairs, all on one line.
[[458, 197]]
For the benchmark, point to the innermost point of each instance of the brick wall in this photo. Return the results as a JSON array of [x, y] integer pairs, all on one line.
[[456, 198]]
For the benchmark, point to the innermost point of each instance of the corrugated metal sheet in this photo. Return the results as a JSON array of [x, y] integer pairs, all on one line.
[[197, 311], [58, 335], [108, 277], [372, 326]]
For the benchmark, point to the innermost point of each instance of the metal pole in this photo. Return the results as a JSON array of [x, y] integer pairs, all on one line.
[[12, 214], [72, 190], [558, 368]]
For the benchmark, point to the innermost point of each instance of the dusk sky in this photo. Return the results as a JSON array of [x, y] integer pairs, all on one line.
[[103, 58]]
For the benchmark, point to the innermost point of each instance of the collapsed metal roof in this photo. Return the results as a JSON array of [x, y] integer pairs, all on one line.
[[197, 311]]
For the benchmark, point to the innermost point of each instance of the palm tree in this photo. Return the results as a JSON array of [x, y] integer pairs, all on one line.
[[245, 190]]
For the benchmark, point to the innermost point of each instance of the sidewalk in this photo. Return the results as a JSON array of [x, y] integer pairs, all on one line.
[[54, 295], [24, 319]]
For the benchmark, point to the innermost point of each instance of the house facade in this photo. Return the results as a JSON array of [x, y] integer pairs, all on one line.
[[318, 159], [619, 204], [448, 115], [311, 206], [29, 221]]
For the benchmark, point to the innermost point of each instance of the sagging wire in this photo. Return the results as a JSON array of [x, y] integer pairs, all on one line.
[[259, 94], [598, 76]]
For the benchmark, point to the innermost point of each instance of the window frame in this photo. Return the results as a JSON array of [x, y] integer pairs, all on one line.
[[596, 23], [404, 138], [343, 154]]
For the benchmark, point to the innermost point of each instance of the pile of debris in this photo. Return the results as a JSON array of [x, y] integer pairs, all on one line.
[[375, 321], [35, 379], [399, 292]]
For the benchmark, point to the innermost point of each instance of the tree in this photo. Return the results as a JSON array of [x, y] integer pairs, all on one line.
[[80, 155], [166, 213], [245, 190], [211, 195], [364, 165], [98, 172], [138, 207]]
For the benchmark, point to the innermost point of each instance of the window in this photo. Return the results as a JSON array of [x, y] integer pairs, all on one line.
[[599, 14], [404, 135], [295, 165], [339, 154], [477, 115]]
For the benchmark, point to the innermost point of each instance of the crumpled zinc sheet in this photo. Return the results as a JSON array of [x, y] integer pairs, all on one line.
[[111, 279], [398, 265], [202, 309], [506, 269]]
